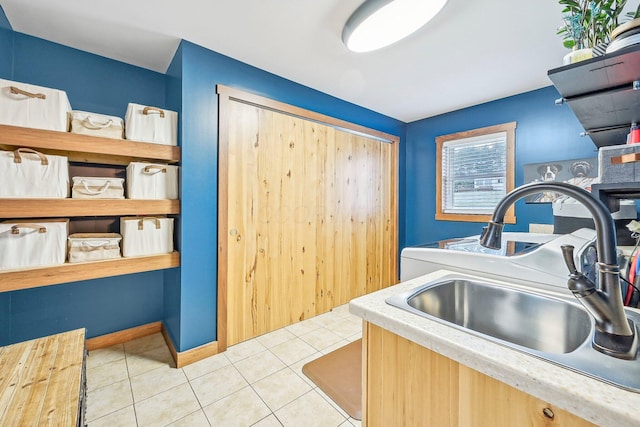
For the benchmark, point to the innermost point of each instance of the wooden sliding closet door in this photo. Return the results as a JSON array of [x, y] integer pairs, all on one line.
[[310, 213]]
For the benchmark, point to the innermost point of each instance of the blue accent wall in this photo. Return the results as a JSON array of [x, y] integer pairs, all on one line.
[[202, 70], [93, 83], [4, 22], [172, 288], [100, 85], [5, 318], [6, 47], [6, 66], [545, 131], [102, 306], [6, 53]]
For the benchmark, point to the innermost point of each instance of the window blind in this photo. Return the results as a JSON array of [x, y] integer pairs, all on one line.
[[474, 174]]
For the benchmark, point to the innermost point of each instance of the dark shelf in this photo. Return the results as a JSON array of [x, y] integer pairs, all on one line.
[[601, 110], [597, 74], [615, 136], [601, 93], [610, 194]]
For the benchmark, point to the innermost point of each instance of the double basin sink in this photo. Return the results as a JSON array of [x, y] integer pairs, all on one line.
[[556, 329]]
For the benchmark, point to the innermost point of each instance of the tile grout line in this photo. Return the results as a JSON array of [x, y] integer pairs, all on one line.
[[133, 400], [265, 404], [93, 391], [273, 373], [197, 398], [329, 403]]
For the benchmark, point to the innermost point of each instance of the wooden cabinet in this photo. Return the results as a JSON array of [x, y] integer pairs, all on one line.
[[406, 384], [42, 381], [85, 149]]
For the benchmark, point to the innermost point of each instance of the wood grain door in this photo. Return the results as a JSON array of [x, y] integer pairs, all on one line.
[[310, 219]]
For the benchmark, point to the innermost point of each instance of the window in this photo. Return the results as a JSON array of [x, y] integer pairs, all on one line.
[[475, 170]]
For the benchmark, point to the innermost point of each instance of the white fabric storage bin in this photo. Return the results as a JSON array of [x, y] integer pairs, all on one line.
[[33, 243], [85, 247], [151, 124], [152, 181], [97, 188], [146, 236], [33, 106], [94, 124], [26, 173]]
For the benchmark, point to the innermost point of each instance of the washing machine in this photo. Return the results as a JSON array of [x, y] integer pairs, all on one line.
[[522, 259]]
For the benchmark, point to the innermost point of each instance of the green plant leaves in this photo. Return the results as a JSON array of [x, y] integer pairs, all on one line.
[[590, 22], [634, 15]]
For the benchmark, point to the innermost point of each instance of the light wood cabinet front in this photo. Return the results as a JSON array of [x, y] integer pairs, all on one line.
[[408, 385], [311, 217]]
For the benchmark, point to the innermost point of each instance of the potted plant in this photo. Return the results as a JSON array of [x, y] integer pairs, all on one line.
[[627, 34], [587, 25]]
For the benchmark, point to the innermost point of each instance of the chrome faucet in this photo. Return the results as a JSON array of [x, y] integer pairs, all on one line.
[[615, 335]]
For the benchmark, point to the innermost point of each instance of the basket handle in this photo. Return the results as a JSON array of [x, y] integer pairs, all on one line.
[[148, 218], [157, 168], [148, 110], [96, 245], [18, 159], [15, 229], [99, 191], [17, 91], [96, 125]]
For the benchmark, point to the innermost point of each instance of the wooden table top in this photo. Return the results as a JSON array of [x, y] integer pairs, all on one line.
[[41, 379]]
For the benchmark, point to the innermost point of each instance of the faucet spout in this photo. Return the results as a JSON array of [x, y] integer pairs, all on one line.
[[615, 334]]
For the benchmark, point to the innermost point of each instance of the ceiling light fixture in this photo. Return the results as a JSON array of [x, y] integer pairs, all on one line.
[[379, 23]]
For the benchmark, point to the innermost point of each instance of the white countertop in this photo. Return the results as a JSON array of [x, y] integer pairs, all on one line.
[[593, 400]]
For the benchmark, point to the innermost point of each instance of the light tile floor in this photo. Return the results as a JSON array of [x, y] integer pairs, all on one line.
[[258, 382]]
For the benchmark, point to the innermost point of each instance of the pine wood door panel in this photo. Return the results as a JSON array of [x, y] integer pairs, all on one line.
[[311, 218]]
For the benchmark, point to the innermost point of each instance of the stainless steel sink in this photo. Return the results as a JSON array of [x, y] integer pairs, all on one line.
[[556, 329], [521, 318]]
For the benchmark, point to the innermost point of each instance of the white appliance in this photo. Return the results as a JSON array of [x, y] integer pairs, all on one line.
[[523, 258]]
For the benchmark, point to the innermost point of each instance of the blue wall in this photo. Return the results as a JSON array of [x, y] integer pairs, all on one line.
[[4, 22], [545, 131], [99, 85], [6, 65], [5, 318], [201, 71], [172, 289], [102, 306], [93, 83], [6, 52], [6, 45]]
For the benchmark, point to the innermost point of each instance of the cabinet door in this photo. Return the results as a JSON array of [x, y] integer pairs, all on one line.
[[409, 385], [310, 218]]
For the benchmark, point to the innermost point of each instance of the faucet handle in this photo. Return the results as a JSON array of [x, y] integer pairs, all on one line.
[[567, 254], [578, 283]]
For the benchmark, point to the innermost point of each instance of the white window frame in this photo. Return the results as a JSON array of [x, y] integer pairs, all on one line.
[[473, 137]]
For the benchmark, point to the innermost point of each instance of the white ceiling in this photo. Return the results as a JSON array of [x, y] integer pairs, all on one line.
[[472, 52]]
